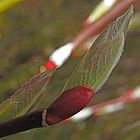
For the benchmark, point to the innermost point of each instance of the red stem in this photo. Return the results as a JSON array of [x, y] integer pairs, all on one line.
[[97, 27]]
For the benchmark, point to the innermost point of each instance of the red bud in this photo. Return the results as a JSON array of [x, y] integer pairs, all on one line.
[[49, 65], [68, 104]]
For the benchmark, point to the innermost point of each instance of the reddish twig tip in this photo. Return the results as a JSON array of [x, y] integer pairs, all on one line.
[[68, 104]]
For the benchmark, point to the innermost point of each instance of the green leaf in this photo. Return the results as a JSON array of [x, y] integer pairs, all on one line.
[[26, 97], [6, 4], [96, 66]]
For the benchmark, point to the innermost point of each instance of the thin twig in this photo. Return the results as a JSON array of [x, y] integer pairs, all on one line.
[[38, 119], [23, 123], [97, 27]]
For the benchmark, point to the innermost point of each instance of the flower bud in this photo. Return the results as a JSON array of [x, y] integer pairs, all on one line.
[[68, 104]]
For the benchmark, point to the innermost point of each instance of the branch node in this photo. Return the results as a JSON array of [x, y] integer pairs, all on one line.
[[44, 114]]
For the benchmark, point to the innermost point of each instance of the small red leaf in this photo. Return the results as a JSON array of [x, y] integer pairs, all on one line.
[[68, 104]]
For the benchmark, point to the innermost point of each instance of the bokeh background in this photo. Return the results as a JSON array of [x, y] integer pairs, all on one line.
[[29, 32]]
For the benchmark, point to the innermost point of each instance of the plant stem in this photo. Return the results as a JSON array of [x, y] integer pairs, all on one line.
[[23, 123], [97, 27]]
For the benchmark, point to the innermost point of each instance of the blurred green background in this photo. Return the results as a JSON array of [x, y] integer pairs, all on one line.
[[29, 32]]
